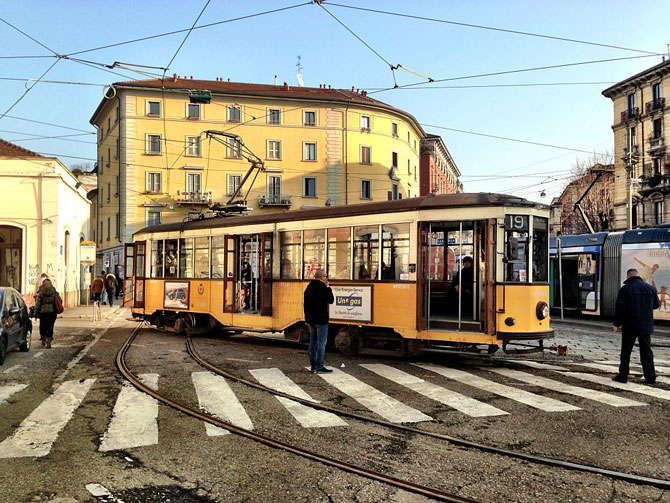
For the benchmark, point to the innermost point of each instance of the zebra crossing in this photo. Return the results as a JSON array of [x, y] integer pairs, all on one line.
[[134, 419]]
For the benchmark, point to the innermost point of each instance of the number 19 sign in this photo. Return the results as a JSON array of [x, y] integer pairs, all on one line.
[[352, 303]]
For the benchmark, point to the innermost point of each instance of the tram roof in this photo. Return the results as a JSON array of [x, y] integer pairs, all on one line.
[[414, 204], [569, 240]]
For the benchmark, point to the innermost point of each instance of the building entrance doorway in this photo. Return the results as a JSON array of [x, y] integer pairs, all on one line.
[[11, 244]]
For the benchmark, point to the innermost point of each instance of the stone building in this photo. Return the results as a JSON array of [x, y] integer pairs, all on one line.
[[438, 172]]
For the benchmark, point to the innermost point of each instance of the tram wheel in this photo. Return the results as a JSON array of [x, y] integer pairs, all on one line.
[[183, 323], [347, 341]]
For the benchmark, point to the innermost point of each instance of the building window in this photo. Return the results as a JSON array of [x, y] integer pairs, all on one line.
[[309, 119], [394, 160], [274, 116], [366, 189], [309, 186], [274, 150], [631, 138], [100, 197], [234, 113], [658, 128], [366, 154], [153, 217], [154, 181], [154, 143], [109, 227], [394, 129], [116, 119], [309, 151], [154, 108], [274, 188], [365, 122], [193, 146], [118, 149], [656, 91], [193, 111], [101, 231], [193, 183], [117, 185], [234, 148], [394, 192], [118, 226], [109, 191], [631, 102], [100, 165], [409, 168], [109, 156], [233, 184], [658, 212], [109, 124]]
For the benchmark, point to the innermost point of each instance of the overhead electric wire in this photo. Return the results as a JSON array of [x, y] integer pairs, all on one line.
[[48, 124], [491, 28], [30, 37], [29, 89], [508, 72], [55, 82], [474, 86], [189, 29]]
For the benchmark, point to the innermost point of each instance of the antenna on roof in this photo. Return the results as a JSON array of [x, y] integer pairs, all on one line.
[[298, 66]]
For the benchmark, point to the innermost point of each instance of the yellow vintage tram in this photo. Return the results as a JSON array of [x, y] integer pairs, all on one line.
[[398, 270]]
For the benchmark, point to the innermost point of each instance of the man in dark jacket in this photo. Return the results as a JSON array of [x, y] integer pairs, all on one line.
[[467, 276], [318, 295], [634, 313]]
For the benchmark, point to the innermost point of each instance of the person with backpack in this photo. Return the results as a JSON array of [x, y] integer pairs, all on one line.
[[110, 287], [49, 305]]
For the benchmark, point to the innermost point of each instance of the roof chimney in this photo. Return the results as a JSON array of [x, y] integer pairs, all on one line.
[[328, 86], [286, 88], [228, 79], [191, 77], [174, 77], [352, 89]]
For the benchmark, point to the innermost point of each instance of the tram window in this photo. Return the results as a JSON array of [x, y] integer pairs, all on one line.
[[314, 254], [540, 249], [201, 257], [339, 253], [290, 254], [217, 257], [186, 258], [157, 259], [366, 252], [171, 258], [516, 256], [395, 252]]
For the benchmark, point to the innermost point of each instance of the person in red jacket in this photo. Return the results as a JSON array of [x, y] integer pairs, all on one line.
[[318, 295]]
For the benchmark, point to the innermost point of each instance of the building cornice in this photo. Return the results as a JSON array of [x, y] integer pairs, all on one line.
[[638, 79]]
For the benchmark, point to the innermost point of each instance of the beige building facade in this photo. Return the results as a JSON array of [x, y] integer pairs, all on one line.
[[44, 218], [319, 147], [642, 159]]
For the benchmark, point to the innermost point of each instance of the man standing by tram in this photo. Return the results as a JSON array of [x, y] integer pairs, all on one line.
[[634, 313], [318, 295]]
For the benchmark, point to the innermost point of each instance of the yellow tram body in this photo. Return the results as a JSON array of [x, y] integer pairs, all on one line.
[[412, 249]]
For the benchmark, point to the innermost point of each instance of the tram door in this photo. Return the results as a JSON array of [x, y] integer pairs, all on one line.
[[454, 270], [129, 268], [139, 274], [249, 267]]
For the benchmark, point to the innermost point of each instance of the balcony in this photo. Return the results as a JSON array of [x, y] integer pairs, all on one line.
[[194, 198], [633, 151], [275, 201], [656, 144], [630, 114], [655, 104]]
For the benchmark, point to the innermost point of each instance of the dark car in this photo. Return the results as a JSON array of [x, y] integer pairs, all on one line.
[[15, 325]]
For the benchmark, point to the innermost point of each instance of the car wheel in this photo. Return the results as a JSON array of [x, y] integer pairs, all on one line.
[[3, 349], [25, 347]]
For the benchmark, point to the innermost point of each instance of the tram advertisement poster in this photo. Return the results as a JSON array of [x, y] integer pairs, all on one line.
[[652, 260], [352, 303], [176, 294]]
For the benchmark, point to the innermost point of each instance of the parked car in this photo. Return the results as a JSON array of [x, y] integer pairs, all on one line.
[[15, 325]]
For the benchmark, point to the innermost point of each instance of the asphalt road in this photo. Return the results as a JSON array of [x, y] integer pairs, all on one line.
[[118, 447]]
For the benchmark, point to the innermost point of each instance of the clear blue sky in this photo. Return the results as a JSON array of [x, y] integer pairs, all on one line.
[[257, 49]]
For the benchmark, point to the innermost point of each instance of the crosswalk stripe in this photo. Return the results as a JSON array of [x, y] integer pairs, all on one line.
[[539, 402], [552, 384], [12, 369], [9, 389], [38, 432], [636, 363], [614, 367], [607, 381], [389, 408], [306, 416], [135, 418], [460, 402], [538, 365], [217, 398]]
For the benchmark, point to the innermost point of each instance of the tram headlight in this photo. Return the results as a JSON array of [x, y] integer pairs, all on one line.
[[542, 310]]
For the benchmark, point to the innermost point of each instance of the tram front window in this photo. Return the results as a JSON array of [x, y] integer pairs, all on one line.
[[516, 248], [540, 249]]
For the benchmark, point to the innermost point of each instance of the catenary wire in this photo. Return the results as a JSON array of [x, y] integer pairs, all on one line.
[[491, 28]]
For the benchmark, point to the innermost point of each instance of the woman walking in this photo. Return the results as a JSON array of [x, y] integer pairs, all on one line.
[[45, 310]]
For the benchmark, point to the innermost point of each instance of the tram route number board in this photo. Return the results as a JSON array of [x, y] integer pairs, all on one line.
[[352, 303], [516, 222]]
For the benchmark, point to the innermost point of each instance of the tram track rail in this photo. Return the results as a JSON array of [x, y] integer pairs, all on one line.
[[491, 449], [433, 493]]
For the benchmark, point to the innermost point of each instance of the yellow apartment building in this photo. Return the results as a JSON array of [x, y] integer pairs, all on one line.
[[642, 158], [319, 147]]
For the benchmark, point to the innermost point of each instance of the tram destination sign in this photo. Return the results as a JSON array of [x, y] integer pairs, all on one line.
[[516, 223], [352, 303]]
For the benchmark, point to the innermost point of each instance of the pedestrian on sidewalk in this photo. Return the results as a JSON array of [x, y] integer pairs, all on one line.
[[45, 310], [97, 287], [634, 314], [318, 295], [110, 287]]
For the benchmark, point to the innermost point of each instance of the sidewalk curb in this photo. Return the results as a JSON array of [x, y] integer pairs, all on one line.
[[103, 315]]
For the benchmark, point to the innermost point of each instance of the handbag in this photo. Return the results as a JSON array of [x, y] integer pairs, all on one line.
[[58, 304]]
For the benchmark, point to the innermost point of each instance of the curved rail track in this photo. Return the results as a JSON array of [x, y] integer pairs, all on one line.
[[351, 468], [429, 492]]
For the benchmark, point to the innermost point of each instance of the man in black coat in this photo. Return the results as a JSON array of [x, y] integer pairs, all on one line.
[[466, 287], [634, 313], [318, 295]]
